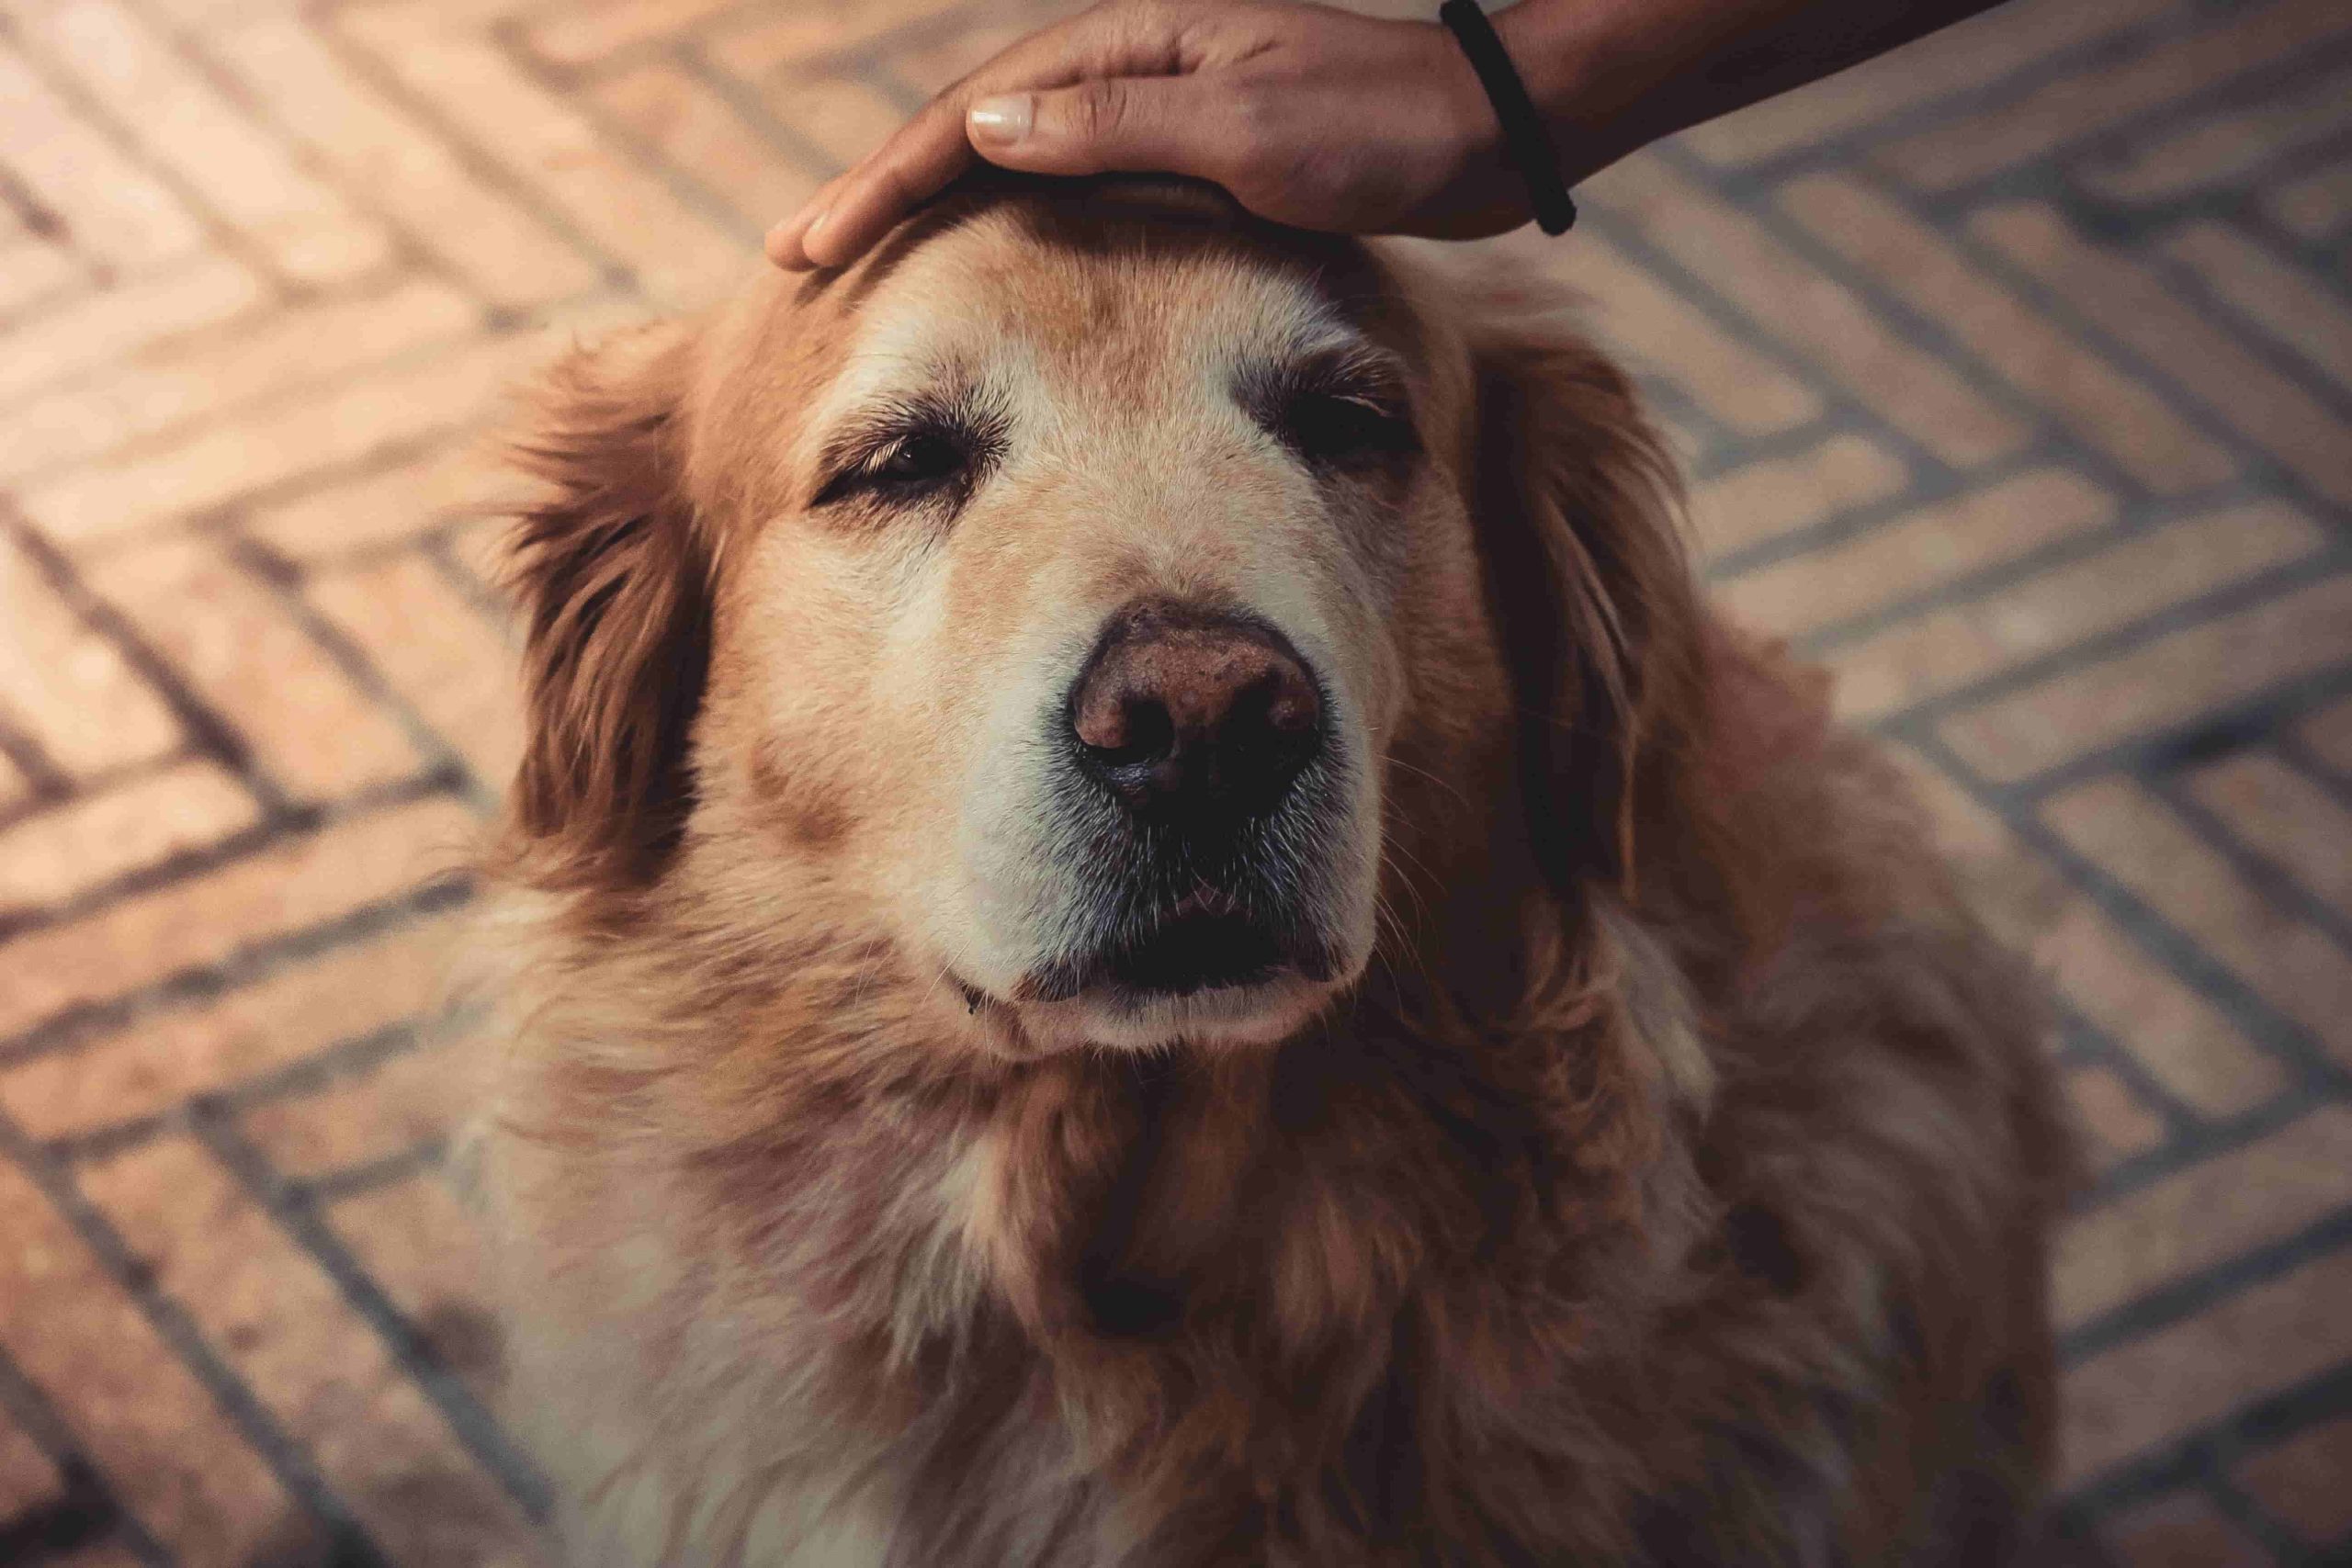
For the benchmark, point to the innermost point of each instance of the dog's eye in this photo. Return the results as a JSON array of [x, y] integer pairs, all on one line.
[[910, 466], [1340, 428], [920, 457]]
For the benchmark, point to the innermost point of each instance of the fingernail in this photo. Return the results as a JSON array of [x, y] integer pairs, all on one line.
[[1002, 121]]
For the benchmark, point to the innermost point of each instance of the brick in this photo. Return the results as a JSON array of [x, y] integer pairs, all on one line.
[[2177, 1036], [2271, 1336], [701, 133], [842, 117], [98, 328], [2181, 1531], [2097, 401], [296, 885], [2329, 734], [230, 637], [2204, 1216], [84, 843], [2293, 966], [1918, 553], [2123, 299], [318, 1367], [1944, 649], [678, 256], [479, 546], [1813, 315], [169, 1057], [2018, 892], [2294, 823], [427, 490], [190, 20], [111, 205], [27, 1477], [1659, 331], [2319, 205], [185, 124], [2301, 1480], [407, 171], [427, 1249], [204, 376], [14, 788], [2219, 150], [2164, 682], [2279, 300], [931, 64], [2182, 1040], [927, 61], [1975, 54], [278, 442], [1779, 495], [33, 273], [2121, 1123], [461, 678], [155, 1434], [66, 685], [809, 31], [2032, 125], [582, 34], [394, 1107]]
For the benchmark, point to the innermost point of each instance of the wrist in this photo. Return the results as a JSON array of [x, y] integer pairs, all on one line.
[[1473, 137], [1581, 84]]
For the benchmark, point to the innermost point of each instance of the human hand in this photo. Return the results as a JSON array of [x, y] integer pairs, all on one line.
[[1307, 116]]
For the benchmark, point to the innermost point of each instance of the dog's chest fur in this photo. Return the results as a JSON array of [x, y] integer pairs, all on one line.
[[1100, 1310]]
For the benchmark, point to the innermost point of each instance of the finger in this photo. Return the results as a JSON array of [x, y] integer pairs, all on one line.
[[915, 164], [919, 158], [858, 206], [1178, 125], [783, 243]]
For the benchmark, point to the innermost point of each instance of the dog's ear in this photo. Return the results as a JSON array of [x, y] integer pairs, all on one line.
[[1578, 508], [611, 574]]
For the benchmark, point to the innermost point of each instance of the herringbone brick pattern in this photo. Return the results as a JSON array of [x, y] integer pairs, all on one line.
[[2015, 375]]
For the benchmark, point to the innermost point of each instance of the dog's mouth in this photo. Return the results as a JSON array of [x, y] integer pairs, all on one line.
[[1203, 951], [1196, 948]]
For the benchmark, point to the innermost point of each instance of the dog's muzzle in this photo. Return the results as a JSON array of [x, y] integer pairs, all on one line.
[[1199, 760]]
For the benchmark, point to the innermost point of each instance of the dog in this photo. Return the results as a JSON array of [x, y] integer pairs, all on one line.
[[1145, 922]]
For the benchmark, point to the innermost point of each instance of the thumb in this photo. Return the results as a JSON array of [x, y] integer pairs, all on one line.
[[1121, 123]]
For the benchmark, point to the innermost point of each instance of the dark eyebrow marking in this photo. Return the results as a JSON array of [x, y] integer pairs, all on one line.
[[1340, 407], [1356, 371]]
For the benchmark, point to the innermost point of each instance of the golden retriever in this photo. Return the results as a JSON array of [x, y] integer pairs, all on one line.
[[1146, 923]]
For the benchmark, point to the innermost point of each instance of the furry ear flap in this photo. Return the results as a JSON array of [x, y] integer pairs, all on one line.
[[1578, 508], [613, 579]]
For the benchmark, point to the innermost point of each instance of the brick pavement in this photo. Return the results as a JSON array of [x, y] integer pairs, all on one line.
[[2014, 375]]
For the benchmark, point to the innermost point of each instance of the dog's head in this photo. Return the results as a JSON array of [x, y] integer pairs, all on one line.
[[1125, 611]]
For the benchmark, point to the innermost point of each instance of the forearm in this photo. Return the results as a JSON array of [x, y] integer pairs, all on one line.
[[1613, 75]]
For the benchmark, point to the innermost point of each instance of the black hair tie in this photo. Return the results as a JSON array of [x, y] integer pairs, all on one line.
[[1525, 142]]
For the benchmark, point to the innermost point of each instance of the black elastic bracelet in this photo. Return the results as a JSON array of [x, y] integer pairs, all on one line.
[[1525, 142]]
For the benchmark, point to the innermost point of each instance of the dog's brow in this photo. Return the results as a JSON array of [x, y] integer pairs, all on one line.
[[1334, 358], [893, 365]]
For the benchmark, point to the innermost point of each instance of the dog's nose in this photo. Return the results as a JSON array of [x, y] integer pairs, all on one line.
[[1189, 712]]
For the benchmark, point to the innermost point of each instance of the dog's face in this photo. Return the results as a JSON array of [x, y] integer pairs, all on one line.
[[1089, 602]]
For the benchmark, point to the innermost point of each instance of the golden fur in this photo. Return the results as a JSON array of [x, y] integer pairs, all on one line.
[[1670, 1185]]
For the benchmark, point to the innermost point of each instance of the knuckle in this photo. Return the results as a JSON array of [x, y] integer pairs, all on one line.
[[1097, 111], [1250, 131], [1254, 111]]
